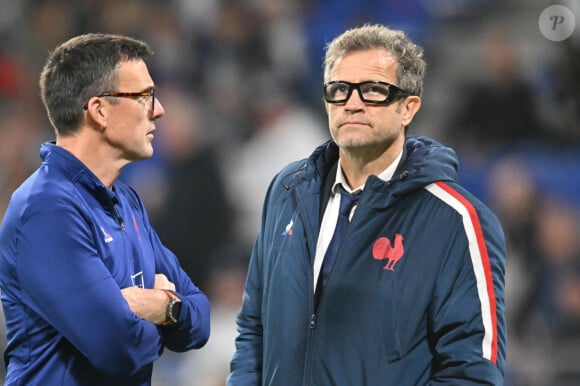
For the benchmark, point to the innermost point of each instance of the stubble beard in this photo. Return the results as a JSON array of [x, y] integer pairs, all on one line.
[[367, 145]]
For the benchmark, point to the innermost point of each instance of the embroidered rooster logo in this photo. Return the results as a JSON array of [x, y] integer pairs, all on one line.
[[384, 250]]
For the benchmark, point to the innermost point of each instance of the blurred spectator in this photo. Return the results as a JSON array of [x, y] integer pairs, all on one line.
[[558, 295], [513, 194], [497, 110], [196, 219], [18, 128], [563, 102], [561, 88], [284, 128], [559, 248]]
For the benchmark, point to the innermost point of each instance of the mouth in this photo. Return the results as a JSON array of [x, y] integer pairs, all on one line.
[[353, 123]]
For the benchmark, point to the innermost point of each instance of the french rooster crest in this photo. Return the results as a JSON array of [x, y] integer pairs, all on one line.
[[382, 249]]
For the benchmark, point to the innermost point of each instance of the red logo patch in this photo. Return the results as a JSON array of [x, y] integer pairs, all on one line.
[[384, 250]]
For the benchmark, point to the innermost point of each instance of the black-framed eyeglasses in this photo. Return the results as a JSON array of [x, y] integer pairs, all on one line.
[[371, 91], [147, 93]]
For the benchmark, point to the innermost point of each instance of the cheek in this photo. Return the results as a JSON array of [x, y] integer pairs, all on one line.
[[332, 125], [390, 120], [332, 114]]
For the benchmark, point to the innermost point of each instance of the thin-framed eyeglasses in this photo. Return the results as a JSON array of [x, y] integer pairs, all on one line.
[[371, 91], [146, 93]]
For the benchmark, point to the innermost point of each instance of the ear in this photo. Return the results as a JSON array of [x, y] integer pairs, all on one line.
[[96, 113], [410, 106]]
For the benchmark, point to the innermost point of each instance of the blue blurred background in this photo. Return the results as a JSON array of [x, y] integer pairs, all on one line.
[[240, 81]]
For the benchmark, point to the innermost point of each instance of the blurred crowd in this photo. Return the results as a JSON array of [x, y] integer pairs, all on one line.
[[240, 81]]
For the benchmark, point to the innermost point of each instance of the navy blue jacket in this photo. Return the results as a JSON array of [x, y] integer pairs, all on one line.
[[68, 244], [415, 296]]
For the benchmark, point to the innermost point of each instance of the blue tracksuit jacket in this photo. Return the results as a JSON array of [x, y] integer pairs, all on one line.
[[415, 296], [67, 246]]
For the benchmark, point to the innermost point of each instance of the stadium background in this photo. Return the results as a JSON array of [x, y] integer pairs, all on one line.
[[241, 80]]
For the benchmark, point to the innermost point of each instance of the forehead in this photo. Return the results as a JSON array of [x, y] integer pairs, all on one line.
[[134, 74], [357, 66]]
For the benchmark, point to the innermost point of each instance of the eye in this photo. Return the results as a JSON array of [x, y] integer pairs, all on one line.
[[339, 88], [376, 89]]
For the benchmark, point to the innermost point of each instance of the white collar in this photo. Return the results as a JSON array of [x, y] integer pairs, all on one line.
[[385, 175]]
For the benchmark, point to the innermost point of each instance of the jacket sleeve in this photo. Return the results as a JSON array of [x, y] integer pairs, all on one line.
[[467, 324], [66, 283], [246, 364], [193, 326]]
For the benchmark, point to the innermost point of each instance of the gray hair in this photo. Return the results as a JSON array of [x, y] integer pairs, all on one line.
[[409, 56]]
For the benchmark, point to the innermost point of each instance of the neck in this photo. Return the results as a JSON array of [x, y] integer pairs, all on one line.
[[88, 148], [359, 164]]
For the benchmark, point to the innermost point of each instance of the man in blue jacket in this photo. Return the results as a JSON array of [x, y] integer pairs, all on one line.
[[90, 294], [402, 286]]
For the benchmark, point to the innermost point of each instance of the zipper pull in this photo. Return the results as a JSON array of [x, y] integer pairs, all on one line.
[[312, 323], [119, 219]]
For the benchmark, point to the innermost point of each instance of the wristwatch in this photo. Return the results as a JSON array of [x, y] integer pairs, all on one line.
[[173, 309]]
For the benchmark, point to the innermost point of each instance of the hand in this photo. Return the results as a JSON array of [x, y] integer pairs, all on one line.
[[149, 304], [162, 282]]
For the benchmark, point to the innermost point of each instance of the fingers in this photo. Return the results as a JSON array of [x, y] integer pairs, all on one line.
[[162, 282]]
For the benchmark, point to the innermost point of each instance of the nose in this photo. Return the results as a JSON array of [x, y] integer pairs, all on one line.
[[158, 110], [354, 99]]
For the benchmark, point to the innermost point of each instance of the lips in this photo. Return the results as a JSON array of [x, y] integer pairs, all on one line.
[[354, 123]]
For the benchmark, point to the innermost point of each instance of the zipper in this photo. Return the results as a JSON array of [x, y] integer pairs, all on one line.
[[311, 327], [129, 247], [119, 218], [311, 248]]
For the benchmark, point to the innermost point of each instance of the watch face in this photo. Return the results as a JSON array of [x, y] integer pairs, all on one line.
[[173, 310]]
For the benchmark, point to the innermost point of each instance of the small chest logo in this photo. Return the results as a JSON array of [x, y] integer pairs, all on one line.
[[288, 230], [108, 237], [382, 249], [137, 280]]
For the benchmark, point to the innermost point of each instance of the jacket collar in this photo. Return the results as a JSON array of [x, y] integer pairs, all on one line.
[[75, 171], [423, 162]]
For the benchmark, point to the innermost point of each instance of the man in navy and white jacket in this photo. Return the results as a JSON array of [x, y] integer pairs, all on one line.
[[414, 295], [90, 294]]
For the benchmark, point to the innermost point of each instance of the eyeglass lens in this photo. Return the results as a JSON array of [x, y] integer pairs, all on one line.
[[368, 91]]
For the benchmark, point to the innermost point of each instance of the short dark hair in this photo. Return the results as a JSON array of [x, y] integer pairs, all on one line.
[[81, 68]]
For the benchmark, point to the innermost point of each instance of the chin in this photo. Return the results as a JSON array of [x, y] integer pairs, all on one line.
[[353, 143], [144, 154]]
